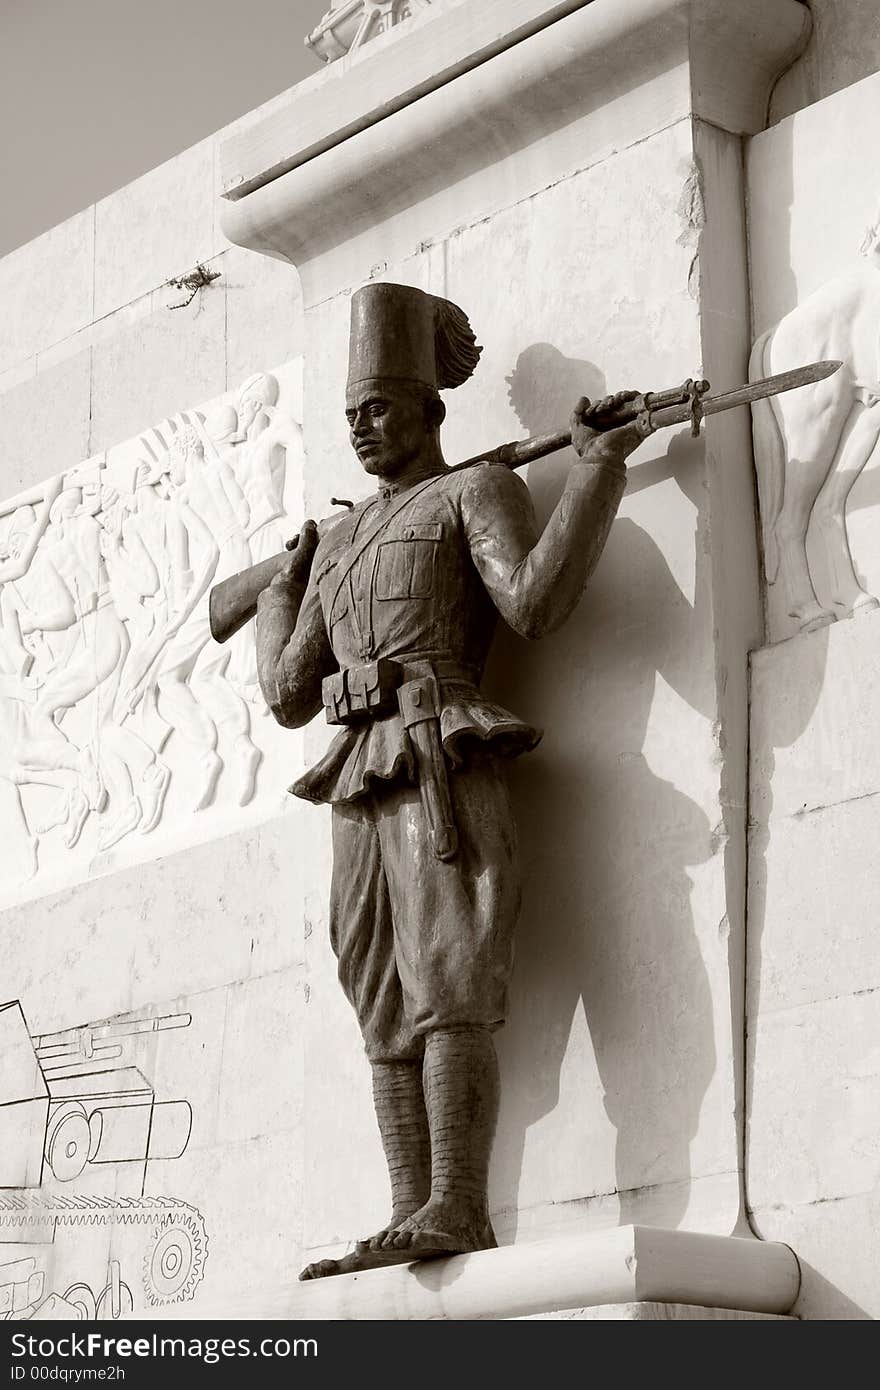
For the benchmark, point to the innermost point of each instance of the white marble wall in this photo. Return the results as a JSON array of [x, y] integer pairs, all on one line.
[[813, 1142], [87, 322], [209, 978], [96, 368]]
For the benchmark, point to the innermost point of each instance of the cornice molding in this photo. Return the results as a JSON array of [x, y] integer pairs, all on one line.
[[373, 83], [594, 76]]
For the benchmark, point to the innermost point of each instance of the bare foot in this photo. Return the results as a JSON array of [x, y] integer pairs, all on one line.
[[211, 766], [58, 814], [79, 811], [367, 1254], [121, 825], [433, 1232], [29, 862], [71, 810], [154, 785], [399, 1214], [249, 758], [441, 1227], [90, 779], [362, 1257]]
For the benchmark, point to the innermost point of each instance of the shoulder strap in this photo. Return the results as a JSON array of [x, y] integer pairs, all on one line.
[[357, 550]]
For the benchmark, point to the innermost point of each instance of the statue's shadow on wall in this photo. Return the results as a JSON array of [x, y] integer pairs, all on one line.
[[606, 846]]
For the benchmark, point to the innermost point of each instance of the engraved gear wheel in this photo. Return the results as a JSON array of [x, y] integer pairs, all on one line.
[[174, 1264]]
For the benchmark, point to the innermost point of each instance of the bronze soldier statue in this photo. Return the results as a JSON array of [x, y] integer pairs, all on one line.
[[386, 623]]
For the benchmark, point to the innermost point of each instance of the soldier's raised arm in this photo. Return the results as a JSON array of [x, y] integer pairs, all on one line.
[[535, 581], [16, 566], [293, 650]]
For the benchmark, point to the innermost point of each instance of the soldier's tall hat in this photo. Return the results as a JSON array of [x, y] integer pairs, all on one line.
[[402, 334]]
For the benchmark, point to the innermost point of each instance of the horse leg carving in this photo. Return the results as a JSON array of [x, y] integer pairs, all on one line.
[[810, 432], [858, 441]]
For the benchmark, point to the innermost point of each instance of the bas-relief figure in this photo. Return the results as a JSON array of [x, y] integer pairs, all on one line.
[[350, 23], [811, 446], [386, 622], [105, 644]]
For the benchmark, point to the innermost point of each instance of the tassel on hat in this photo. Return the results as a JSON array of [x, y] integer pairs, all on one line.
[[399, 333]]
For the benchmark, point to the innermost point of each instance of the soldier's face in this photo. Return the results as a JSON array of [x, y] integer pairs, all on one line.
[[387, 429], [247, 412]]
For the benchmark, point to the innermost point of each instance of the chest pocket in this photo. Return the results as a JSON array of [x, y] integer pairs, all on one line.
[[406, 566]]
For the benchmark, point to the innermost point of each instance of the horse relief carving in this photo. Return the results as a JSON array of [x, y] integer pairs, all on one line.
[[115, 702], [811, 446]]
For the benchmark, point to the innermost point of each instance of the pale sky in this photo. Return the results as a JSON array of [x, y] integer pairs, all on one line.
[[95, 92]]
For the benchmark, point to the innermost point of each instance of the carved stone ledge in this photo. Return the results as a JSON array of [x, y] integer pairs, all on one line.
[[654, 1312], [625, 1265], [462, 95]]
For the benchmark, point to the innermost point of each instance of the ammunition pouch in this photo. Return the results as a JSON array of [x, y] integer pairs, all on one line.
[[362, 692]]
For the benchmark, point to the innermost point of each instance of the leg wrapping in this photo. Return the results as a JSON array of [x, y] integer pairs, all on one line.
[[461, 1094], [403, 1125]]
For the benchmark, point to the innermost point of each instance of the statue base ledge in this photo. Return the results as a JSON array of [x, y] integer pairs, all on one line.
[[567, 1276], [655, 1312]]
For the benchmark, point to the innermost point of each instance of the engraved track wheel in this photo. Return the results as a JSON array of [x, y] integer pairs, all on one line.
[[111, 1306], [68, 1141], [174, 1264], [81, 1296]]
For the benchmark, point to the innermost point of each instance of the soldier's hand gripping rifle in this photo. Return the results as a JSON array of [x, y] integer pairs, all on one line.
[[234, 601]]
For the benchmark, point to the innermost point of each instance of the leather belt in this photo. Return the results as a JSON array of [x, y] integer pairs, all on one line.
[[360, 693], [444, 668]]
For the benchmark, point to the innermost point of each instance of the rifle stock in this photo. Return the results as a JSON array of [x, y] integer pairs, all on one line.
[[233, 602]]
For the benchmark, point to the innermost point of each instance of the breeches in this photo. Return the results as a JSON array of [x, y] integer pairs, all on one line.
[[423, 944]]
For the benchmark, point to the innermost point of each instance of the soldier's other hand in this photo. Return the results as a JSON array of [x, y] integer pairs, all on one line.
[[298, 567], [591, 436]]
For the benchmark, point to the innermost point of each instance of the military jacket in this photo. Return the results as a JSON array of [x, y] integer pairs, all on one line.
[[426, 590]]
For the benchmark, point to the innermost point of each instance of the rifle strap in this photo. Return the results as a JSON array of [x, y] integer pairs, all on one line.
[[347, 565]]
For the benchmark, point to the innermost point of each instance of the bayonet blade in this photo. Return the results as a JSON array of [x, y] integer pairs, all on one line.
[[769, 386]]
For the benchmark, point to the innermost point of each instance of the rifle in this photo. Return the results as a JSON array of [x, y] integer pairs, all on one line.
[[233, 602]]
